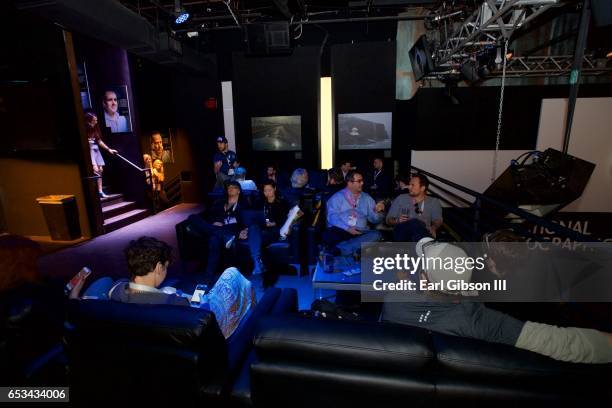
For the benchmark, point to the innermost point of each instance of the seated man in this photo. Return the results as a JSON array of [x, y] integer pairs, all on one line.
[[335, 182], [472, 319], [225, 222], [416, 205], [240, 177], [348, 214], [148, 258], [299, 187], [379, 181]]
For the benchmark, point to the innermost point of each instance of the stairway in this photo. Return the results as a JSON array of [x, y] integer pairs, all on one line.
[[118, 213]]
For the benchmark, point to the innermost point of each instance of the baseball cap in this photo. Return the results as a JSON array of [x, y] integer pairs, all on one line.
[[221, 139], [436, 272]]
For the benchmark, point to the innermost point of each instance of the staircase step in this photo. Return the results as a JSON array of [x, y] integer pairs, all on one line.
[[111, 199], [112, 210], [124, 219]]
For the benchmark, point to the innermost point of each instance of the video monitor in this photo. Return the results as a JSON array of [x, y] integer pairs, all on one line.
[[276, 133], [364, 130], [420, 58]]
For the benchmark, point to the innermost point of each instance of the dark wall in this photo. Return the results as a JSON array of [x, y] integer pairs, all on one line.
[[171, 99], [36, 105], [363, 80], [273, 86]]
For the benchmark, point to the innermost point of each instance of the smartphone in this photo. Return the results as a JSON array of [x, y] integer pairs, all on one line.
[[81, 275], [199, 294]]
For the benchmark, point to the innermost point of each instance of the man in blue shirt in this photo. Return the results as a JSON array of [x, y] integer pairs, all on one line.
[[225, 161], [348, 214]]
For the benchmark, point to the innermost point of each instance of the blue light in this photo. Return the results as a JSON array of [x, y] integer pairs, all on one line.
[[182, 18]]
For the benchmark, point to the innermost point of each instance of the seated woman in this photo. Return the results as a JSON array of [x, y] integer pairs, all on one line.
[[264, 226], [225, 222], [230, 299]]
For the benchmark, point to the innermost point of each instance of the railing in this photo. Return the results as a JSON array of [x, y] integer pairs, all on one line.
[[493, 220]]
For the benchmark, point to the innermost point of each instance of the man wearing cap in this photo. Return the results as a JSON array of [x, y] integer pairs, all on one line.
[[453, 313], [416, 205], [225, 161]]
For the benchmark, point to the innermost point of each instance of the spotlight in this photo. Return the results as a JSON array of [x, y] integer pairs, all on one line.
[[181, 18]]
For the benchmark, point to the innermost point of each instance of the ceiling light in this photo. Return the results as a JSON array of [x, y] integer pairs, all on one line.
[[181, 18]]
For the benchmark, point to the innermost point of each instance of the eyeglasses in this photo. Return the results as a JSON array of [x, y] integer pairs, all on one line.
[[356, 181]]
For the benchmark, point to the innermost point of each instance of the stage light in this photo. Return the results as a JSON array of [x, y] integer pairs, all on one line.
[[509, 55], [183, 17], [609, 55]]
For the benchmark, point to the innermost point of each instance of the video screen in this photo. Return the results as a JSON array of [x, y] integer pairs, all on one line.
[[364, 130], [420, 58], [276, 133]]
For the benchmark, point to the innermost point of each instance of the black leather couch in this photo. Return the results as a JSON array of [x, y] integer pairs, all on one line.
[[160, 354], [305, 362]]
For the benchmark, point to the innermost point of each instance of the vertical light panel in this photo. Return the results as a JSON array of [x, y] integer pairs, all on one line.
[[326, 141], [228, 114]]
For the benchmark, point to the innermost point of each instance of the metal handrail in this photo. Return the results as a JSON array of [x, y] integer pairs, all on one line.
[[130, 163], [508, 208]]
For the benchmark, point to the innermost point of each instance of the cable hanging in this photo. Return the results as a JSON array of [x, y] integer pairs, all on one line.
[[499, 115]]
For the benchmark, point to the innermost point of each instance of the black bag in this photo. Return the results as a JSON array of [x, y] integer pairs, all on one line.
[[325, 309]]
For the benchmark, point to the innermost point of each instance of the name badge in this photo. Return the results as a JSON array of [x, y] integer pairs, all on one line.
[[230, 220], [352, 220], [230, 172]]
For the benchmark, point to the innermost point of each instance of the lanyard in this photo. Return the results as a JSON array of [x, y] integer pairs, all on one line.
[[352, 201], [376, 173], [229, 213]]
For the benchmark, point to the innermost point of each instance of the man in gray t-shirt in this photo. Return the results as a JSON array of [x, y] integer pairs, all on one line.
[[416, 205]]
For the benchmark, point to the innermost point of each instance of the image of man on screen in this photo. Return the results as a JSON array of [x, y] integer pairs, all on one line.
[[157, 149], [112, 118]]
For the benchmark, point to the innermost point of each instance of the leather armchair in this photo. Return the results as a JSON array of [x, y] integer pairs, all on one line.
[[120, 352]]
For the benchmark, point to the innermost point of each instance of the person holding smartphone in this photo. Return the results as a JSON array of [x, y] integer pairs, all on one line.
[[414, 207], [148, 258]]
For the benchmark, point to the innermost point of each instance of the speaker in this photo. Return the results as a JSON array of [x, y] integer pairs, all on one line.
[[602, 12], [552, 180], [268, 38]]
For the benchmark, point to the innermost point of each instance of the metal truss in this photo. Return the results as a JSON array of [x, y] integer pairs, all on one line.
[[553, 66], [490, 24]]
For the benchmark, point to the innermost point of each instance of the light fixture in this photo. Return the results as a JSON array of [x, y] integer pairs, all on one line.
[[609, 55], [509, 55], [181, 14], [181, 18], [192, 34]]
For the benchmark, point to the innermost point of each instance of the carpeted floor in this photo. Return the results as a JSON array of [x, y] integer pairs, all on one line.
[[104, 254]]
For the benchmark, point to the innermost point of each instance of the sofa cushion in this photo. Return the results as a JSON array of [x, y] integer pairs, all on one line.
[[342, 343], [469, 358]]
